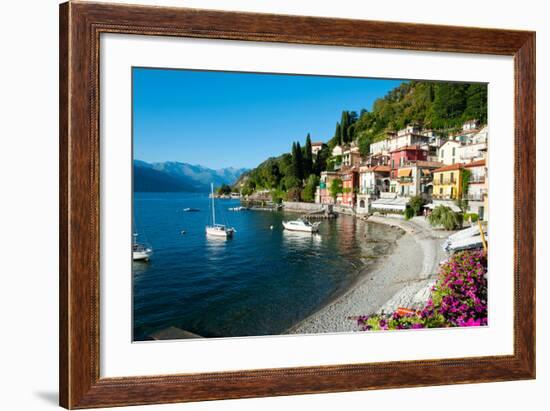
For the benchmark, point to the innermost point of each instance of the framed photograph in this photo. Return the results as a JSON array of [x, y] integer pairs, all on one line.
[[258, 205]]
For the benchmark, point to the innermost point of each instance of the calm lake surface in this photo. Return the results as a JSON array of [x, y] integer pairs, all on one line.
[[261, 282]]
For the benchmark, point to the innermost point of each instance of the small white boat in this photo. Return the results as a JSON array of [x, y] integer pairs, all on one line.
[[240, 208], [467, 239], [190, 209], [301, 225], [218, 230], [140, 252]]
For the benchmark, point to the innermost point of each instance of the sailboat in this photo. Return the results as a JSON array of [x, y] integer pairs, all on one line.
[[140, 252], [217, 230]]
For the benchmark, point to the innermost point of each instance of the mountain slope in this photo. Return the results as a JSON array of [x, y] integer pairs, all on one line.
[[173, 176]]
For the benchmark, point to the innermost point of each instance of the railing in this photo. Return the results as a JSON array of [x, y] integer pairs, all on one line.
[[445, 181], [443, 197], [477, 179], [405, 179], [476, 197]]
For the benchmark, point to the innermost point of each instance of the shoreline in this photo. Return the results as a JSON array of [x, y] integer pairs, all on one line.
[[401, 279]]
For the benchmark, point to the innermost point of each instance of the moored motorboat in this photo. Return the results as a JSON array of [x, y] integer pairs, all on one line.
[[301, 225], [240, 208]]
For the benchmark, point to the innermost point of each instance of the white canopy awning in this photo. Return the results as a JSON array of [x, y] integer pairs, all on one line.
[[397, 204]]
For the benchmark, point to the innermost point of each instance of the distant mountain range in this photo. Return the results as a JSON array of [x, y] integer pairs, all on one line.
[[173, 176]]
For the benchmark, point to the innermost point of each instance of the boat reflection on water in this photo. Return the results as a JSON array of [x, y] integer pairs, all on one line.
[[140, 267], [215, 246], [300, 239]]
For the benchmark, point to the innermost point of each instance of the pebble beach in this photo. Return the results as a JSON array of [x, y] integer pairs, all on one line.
[[401, 279]]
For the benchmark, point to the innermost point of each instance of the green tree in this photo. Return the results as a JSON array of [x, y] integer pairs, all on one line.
[[311, 186], [308, 157], [297, 161], [224, 189], [336, 187], [416, 203], [290, 182], [444, 216], [321, 159]]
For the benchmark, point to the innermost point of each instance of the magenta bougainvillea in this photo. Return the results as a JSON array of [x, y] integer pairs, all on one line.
[[458, 299]]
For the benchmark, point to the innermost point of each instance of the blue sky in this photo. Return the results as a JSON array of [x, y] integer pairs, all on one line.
[[222, 119]]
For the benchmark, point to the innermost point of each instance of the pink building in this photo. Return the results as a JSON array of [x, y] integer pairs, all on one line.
[[404, 155]]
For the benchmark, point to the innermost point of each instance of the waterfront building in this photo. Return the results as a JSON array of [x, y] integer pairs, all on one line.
[[469, 129], [374, 180], [316, 147], [326, 179], [350, 184], [481, 136], [336, 151], [403, 155], [409, 136], [470, 125], [351, 157], [378, 160], [447, 182], [389, 203], [448, 152], [379, 147], [416, 178], [472, 152], [477, 188]]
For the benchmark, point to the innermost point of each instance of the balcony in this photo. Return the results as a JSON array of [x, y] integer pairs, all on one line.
[[443, 197], [477, 179], [476, 197], [445, 181]]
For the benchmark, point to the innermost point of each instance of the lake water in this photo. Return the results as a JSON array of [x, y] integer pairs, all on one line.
[[261, 282]]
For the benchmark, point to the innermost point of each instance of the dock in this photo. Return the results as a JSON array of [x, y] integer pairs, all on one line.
[[320, 215]]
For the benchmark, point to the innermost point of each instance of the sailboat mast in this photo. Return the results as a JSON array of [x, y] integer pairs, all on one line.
[[213, 208]]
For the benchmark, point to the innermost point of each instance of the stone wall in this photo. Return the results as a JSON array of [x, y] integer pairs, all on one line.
[[303, 207]]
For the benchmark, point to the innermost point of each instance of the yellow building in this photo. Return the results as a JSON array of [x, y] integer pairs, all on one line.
[[447, 182]]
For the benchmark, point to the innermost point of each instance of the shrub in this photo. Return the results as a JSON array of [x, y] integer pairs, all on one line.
[[473, 217], [416, 204], [458, 299], [444, 216], [409, 213]]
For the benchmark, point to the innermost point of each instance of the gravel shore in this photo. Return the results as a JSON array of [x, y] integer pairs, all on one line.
[[403, 279]]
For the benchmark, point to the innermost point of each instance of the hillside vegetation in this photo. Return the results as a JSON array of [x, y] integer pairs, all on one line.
[[441, 106]]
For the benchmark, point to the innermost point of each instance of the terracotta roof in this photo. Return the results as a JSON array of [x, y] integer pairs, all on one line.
[[319, 143], [477, 163], [429, 164], [451, 167], [407, 148], [381, 168]]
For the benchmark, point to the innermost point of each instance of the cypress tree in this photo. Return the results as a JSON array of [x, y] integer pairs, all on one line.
[[344, 124], [338, 135], [308, 158], [299, 163]]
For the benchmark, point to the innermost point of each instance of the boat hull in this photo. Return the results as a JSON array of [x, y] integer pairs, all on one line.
[[213, 232], [141, 255], [304, 229]]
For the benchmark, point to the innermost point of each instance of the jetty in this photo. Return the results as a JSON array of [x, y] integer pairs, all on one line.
[[320, 215]]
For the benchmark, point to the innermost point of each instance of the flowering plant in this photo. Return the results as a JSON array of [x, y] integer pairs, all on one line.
[[458, 299]]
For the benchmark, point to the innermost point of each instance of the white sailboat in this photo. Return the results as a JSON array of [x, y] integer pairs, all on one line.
[[217, 230], [140, 252]]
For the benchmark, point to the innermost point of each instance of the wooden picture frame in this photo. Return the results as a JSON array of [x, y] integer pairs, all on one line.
[[80, 27]]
